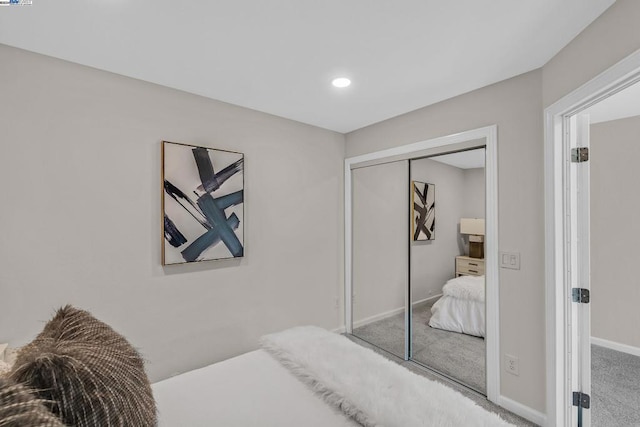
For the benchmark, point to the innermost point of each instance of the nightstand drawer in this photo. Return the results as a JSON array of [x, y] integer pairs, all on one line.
[[470, 266], [475, 271]]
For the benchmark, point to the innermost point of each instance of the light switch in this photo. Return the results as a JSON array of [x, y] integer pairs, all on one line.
[[510, 260]]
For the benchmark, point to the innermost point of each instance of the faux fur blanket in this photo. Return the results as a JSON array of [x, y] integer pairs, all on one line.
[[465, 287], [369, 388]]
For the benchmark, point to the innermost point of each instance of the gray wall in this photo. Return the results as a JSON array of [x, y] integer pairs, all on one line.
[[608, 40], [380, 232], [80, 166], [474, 193], [615, 228], [515, 105]]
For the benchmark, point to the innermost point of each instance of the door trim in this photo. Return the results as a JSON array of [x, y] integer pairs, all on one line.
[[557, 193], [490, 135]]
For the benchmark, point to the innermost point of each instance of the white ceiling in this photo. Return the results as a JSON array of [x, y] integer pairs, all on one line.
[[625, 103], [469, 159], [280, 56]]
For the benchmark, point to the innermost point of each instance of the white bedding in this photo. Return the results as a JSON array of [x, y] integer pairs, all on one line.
[[275, 387], [249, 390], [374, 390], [461, 308]]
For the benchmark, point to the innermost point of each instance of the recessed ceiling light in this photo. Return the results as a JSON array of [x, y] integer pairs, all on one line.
[[341, 82]]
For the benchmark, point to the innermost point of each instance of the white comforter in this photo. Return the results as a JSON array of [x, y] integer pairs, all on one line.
[[248, 390], [465, 287], [461, 308], [320, 379]]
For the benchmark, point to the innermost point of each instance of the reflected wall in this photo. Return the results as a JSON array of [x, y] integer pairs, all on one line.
[[380, 255]]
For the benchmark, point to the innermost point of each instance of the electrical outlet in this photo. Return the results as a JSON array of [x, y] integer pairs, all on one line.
[[511, 364]]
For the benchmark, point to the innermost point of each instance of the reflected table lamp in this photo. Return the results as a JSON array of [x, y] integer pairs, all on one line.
[[474, 227]]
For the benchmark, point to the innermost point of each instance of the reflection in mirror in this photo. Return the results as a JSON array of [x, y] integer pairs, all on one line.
[[447, 272], [380, 256]]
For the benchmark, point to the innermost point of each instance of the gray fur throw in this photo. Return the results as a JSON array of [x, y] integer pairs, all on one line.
[[20, 408], [90, 373]]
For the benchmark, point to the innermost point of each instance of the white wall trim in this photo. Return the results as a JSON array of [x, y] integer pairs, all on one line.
[[616, 78], [490, 135], [492, 284], [339, 330], [524, 411], [624, 348], [386, 314], [348, 255], [420, 301], [415, 147]]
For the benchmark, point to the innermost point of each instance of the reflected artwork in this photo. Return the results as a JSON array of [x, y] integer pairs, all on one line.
[[424, 208]]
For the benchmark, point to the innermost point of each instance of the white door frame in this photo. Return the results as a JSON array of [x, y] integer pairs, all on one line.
[[557, 227], [490, 135]]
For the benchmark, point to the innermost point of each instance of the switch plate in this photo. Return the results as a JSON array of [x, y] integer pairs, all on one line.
[[510, 260]]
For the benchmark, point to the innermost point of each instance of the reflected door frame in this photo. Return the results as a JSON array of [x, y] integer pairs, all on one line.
[[435, 146]]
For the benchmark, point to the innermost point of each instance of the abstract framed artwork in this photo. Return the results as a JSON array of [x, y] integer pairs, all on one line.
[[423, 198], [202, 203]]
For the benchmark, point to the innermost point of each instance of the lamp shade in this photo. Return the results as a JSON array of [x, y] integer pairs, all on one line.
[[472, 226]]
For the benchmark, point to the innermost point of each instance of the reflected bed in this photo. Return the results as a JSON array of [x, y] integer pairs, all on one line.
[[462, 306]]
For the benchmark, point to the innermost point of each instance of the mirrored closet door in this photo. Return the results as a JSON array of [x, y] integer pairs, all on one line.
[[380, 256], [447, 265], [421, 255]]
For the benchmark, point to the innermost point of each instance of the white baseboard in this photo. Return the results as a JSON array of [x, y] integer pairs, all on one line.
[[616, 346], [524, 411], [389, 313], [377, 317], [420, 301]]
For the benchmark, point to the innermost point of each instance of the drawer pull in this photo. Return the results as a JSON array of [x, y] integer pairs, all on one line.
[[473, 263], [473, 271]]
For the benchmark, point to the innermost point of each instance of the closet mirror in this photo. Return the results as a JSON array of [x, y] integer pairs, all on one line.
[[380, 257], [447, 265], [417, 218]]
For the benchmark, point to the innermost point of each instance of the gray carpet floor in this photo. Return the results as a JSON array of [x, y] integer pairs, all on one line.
[[615, 388], [615, 376], [459, 356], [479, 399]]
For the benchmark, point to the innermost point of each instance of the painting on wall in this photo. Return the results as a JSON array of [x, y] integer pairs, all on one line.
[[424, 211], [202, 203]]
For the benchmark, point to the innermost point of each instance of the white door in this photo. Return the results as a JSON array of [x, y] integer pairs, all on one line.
[[580, 337]]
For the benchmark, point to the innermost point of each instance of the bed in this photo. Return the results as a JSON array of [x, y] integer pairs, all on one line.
[[462, 306], [79, 371], [249, 390], [309, 376]]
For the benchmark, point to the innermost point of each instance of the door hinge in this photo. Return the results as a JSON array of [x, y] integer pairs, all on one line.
[[580, 295], [580, 154], [581, 400]]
